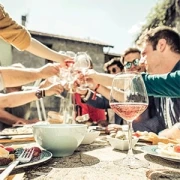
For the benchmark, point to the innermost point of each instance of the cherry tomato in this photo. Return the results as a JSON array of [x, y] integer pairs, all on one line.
[[37, 151], [136, 134], [177, 148], [10, 149]]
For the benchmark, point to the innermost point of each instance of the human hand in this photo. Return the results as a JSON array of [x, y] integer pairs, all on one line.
[[32, 121], [24, 121], [66, 58], [171, 133], [53, 89], [49, 70]]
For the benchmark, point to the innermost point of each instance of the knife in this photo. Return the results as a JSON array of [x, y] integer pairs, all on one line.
[[5, 137]]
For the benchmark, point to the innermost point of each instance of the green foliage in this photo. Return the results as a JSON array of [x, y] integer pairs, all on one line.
[[163, 13]]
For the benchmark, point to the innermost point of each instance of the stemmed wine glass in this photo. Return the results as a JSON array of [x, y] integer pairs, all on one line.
[[82, 64], [128, 99]]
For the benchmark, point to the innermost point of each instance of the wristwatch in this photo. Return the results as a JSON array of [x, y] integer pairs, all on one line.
[[40, 93]]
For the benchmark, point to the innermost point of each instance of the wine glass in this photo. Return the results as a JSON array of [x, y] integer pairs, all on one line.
[[82, 64], [128, 99]]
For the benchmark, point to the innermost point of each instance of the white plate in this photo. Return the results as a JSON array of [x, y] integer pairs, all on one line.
[[44, 156], [152, 151]]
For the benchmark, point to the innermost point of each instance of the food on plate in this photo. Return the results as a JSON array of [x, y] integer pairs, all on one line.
[[177, 148], [10, 149], [9, 154], [5, 157], [37, 151], [55, 117], [154, 138], [82, 118], [120, 135], [169, 149], [19, 130]]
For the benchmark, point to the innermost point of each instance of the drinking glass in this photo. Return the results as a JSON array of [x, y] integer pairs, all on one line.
[[128, 99], [81, 65]]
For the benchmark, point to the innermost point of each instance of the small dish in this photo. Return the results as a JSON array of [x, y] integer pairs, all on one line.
[[90, 137], [122, 145]]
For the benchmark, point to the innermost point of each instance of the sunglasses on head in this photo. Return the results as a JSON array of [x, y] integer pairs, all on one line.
[[135, 62]]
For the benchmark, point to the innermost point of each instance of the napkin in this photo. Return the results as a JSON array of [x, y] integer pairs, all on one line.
[[163, 174]]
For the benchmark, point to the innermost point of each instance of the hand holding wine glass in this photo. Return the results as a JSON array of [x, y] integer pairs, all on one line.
[[82, 64], [128, 99]]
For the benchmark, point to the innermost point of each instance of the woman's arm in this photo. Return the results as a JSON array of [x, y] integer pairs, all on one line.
[[18, 36], [38, 49], [12, 77], [19, 98]]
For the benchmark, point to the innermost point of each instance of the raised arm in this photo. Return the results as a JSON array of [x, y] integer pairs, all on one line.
[[19, 98], [18, 36], [12, 77], [100, 78], [38, 49]]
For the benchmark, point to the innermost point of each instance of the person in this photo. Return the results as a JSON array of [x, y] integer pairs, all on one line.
[[168, 84], [11, 77], [20, 114], [15, 99], [162, 52], [96, 115], [148, 120], [165, 85], [161, 47], [18, 36], [113, 66], [171, 133], [131, 59]]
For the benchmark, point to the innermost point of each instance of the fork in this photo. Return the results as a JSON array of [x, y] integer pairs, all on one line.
[[25, 157]]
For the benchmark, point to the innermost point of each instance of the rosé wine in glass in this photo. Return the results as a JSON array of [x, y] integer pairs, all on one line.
[[128, 111], [129, 99]]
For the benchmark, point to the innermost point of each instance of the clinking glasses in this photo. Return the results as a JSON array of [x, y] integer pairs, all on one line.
[[135, 62]]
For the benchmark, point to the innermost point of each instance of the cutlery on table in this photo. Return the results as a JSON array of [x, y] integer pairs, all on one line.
[[25, 157]]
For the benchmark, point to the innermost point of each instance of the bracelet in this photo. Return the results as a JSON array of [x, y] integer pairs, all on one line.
[[40, 93], [95, 92]]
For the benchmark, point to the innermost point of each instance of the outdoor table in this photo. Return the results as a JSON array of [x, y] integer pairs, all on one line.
[[94, 162]]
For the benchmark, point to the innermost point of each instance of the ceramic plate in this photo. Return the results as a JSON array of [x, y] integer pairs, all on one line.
[[44, 156], [152, 151]]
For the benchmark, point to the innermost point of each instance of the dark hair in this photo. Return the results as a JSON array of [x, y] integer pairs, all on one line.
[[154, 35], [128, 51], [112, 62]]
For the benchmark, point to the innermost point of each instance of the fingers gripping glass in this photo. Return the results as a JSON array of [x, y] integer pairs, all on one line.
[[135, 62]]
